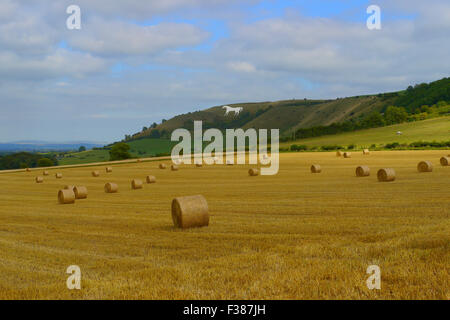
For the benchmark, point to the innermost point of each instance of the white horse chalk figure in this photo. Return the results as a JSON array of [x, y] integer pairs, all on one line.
[[229, 109]]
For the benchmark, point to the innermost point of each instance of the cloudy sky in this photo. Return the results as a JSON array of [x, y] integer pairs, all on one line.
[[136, 62]]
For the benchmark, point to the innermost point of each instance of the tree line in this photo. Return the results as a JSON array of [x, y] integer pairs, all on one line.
[[23, 160]]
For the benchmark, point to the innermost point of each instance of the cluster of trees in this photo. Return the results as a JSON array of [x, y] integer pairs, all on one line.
[[298, 148], [153, 133], [119, 151], [418, 144], [27, 160], [153, 126], [424, 94], [156, 134]]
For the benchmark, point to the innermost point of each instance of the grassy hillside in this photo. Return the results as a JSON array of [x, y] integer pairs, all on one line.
[[289, 116], [437, 129], [285, 115]]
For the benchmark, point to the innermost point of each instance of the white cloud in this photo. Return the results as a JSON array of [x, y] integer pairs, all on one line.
[[7, 9], [25, 33], [112, 38], [329, 51], [144, 10], [62, 84], [61, 63], [241, 66], [97, 116]]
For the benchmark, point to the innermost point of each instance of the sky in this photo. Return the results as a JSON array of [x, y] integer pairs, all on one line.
[[136, 62]]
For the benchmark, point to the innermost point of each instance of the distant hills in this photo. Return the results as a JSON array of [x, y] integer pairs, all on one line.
[[44, 146], [292, 115]]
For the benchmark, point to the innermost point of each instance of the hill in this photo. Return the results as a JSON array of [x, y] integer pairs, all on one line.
[[291, 115], [287, 115]]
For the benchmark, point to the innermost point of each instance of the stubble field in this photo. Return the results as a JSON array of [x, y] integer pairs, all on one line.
[[295, 235]]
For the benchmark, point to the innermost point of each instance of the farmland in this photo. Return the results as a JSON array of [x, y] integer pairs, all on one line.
[[437, 129], [295, 235]]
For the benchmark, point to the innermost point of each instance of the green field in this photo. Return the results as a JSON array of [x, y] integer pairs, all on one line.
[[85, 157], [139, 149], [150, 147], [437, 129]]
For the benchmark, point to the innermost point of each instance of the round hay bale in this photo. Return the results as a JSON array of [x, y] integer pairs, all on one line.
[[58, 175], [39, 180], [162, 166], [136, 184], [111, 187], [151, 179], [386, 175], [338, 153], [347, 154], [253, 172], [362, 171], [69, 187], [190, 212], [28, 169], [66, 196], [174, 167], [316, 168], [445, 161], [108, 169], [95, 174], [366, 152], [45, 173], [425, 166], [81, 192]]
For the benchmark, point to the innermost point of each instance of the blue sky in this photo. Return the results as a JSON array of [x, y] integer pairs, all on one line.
[[136, 62]]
